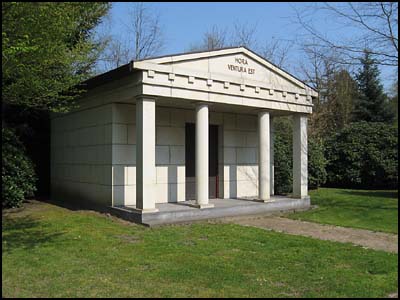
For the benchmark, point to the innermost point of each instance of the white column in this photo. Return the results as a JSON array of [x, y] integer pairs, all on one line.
[[300, 172], [201, 155], [263, 156], [271, 156], [145, 154]]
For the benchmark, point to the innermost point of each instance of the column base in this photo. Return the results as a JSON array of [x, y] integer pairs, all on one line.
[[146, 210], [201, 206], [307, 197], [265, 201]]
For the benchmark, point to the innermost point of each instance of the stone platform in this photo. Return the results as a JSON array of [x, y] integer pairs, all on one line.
[[169, 213]]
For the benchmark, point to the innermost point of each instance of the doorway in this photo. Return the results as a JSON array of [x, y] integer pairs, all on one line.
[[190, 162]]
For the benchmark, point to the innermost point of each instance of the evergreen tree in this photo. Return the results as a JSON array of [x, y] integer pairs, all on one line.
[[372, 103]]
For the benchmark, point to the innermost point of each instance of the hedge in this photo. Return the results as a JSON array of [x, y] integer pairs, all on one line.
[[363, 155]]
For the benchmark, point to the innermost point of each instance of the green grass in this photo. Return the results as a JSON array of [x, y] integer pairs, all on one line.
[[50, 251], [373, 210]]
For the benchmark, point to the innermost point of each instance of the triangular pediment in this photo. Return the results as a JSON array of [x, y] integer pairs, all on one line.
[[233, 62]]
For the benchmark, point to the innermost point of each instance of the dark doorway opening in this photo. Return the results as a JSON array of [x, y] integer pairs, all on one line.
[[190, 162]]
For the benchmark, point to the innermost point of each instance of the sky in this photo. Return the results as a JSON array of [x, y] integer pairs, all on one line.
[[184, 24]]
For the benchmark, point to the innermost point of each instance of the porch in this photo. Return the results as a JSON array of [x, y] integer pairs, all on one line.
[[219, 158], [169, 213]]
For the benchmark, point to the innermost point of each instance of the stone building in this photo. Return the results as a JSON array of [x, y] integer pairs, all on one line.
[[180, 129]]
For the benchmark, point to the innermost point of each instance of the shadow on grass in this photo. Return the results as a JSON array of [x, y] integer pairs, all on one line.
[[75, 205], [25, 233], [377, 194]]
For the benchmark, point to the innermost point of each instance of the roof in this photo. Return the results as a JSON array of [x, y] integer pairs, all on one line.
[[109, 76], [128, 68]]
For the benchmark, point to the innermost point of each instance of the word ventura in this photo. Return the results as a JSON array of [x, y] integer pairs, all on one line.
[[241, 68]]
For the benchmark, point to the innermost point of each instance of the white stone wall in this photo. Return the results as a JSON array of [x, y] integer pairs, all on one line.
[[170, 154], [240, 156], [81, 156], [93, 155], [123, 154]]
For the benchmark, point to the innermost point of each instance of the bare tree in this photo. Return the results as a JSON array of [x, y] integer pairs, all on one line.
[[116, 54], [213, 38], [241, 34], [336, 89], [142, 38], [244, 34], [376, 22], [144, 31], [315, 68], [277, 52]]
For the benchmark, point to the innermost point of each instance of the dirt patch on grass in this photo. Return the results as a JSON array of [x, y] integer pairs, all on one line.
[[393, 295], [368, 239], [28, 206]]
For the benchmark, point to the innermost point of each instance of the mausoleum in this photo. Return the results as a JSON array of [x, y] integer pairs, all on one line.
[[182, 136]]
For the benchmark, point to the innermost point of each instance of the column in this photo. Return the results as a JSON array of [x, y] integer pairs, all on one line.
[[201, 154], [145, 154], [271, 155], [263, 156], [300, 172]]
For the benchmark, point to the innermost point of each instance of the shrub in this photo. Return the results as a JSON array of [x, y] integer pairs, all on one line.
[[283, 173], [18, 176], [363, 155], [316, 163]]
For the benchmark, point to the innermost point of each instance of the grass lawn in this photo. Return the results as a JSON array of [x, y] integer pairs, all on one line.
[[373, 210], [50, 251]]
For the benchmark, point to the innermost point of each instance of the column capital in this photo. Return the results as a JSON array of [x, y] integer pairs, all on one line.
[[202, 104], [264, 111], [301, 115], [145, 97]]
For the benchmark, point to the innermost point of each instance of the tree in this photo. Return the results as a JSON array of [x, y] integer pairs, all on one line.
[[373, 23], [143, 37], [372, 103], [341, 91], [336, 88], [214, 38], [276, 51], [47, 51], [145, 32], [241, 34], [244, 34], [117, 53]]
